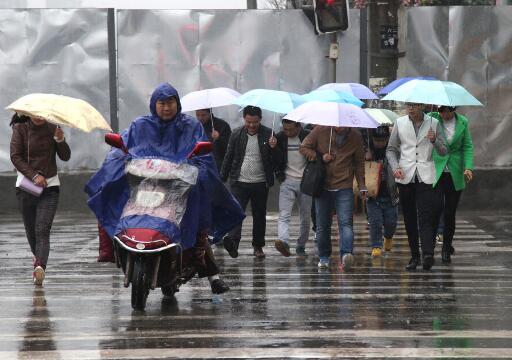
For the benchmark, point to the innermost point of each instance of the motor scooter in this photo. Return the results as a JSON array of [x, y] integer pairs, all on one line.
[[158, 190]]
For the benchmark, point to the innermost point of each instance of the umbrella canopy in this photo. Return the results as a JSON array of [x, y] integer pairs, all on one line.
[[61, 110], [383, 116], [358, 90], [209, 98], [332, 114], [273, 100], [333, 96], [394, 84], [435, 92]]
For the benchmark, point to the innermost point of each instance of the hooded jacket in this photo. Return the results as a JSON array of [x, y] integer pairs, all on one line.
[[210, 206]]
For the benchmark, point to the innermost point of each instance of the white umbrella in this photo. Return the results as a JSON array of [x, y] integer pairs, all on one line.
[[209, 98], [332, 114]]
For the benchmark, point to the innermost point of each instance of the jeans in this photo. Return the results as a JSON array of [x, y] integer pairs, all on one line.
[[381, 212], [257, 194], [38, 214], [343, 201], [421, 208], [289, 193]]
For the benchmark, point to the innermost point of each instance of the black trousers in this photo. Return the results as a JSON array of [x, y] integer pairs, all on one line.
[[450, 200], [38, 214], [257, 194], [421, 206]]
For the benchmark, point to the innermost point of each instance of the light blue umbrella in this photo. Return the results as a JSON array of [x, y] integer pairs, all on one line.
[[273, 100], [435, 92], [333, 96], [396, 83]]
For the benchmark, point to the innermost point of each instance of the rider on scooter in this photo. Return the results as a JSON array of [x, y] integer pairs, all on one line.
[[169, 133]]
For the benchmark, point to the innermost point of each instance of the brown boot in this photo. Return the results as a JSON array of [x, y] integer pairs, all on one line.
[[258, 252]]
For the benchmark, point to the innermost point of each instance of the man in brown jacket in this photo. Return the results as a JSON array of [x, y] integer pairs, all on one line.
[[343, 155]]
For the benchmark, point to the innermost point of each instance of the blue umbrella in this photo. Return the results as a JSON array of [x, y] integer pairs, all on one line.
[[435, 92], [333, 96], [394, 84], [273, 100]]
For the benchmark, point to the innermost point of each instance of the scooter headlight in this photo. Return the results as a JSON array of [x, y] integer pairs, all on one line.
[[150, 199]]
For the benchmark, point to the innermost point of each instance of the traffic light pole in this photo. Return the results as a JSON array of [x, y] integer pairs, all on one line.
[[252, 4], [333, 56]]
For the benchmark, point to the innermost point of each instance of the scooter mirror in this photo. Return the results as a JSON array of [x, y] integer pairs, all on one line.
[[201, 148], [115, 140]]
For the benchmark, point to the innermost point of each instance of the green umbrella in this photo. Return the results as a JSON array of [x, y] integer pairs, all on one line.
[[435, 92]]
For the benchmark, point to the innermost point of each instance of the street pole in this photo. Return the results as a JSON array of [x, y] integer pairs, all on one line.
[[333, 56], [252, 4]]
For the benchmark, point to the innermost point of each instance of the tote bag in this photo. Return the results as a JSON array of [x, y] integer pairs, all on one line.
[[313, 178], [373, 176]]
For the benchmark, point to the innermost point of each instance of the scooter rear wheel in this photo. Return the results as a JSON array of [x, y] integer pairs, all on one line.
[[140, 285]]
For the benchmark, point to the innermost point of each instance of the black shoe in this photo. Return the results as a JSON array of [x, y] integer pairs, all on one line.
[[446, 256], [219, 286], [428, 261], [231, 247], [413, 263]]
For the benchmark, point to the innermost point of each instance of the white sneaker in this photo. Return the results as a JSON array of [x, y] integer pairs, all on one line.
[[347, 261], [38, 276], [323, 264], [439, 239]]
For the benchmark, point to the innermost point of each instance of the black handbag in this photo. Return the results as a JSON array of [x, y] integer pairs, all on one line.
[[313, 178]]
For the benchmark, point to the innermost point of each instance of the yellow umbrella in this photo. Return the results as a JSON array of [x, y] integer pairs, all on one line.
[[61, 110], [383, 116]]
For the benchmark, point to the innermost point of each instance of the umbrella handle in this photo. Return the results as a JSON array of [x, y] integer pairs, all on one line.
[[330, 140], [273, 122], [211, 119]]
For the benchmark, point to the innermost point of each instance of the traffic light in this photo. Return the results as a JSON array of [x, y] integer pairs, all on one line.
[[330, 15]]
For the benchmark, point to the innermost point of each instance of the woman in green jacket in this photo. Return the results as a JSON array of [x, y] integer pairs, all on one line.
[[453, 170]]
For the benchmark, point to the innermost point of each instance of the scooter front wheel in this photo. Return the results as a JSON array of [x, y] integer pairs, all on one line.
[[140, 284]]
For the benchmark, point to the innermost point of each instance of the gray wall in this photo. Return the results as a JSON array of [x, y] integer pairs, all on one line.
[[65, 51], [472, 46], [240, 49], [62, 51]]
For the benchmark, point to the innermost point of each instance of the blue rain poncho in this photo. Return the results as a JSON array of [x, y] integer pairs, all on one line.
[[210, 206]]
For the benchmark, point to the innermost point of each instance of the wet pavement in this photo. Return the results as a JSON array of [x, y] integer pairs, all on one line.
[[278, 307]]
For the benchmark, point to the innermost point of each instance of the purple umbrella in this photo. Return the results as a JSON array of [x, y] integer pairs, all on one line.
[[394, 84], [358, 90]]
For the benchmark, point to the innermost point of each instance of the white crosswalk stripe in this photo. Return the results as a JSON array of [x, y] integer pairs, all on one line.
[[277, 308]]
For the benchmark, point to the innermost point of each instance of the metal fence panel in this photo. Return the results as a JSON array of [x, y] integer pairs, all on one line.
[[473, 47], [55, 51], [241, 49]]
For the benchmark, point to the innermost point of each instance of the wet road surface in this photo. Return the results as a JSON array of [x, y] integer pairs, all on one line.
[[278, 307]]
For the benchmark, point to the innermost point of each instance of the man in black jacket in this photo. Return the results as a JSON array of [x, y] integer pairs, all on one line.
[[248, 163], [218, 132], [290, 165]]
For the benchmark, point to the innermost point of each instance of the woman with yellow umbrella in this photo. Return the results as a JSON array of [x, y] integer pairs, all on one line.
[[36, 141]]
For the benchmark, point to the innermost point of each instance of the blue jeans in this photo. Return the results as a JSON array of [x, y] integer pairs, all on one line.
[[381, 212], [343, 201]]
